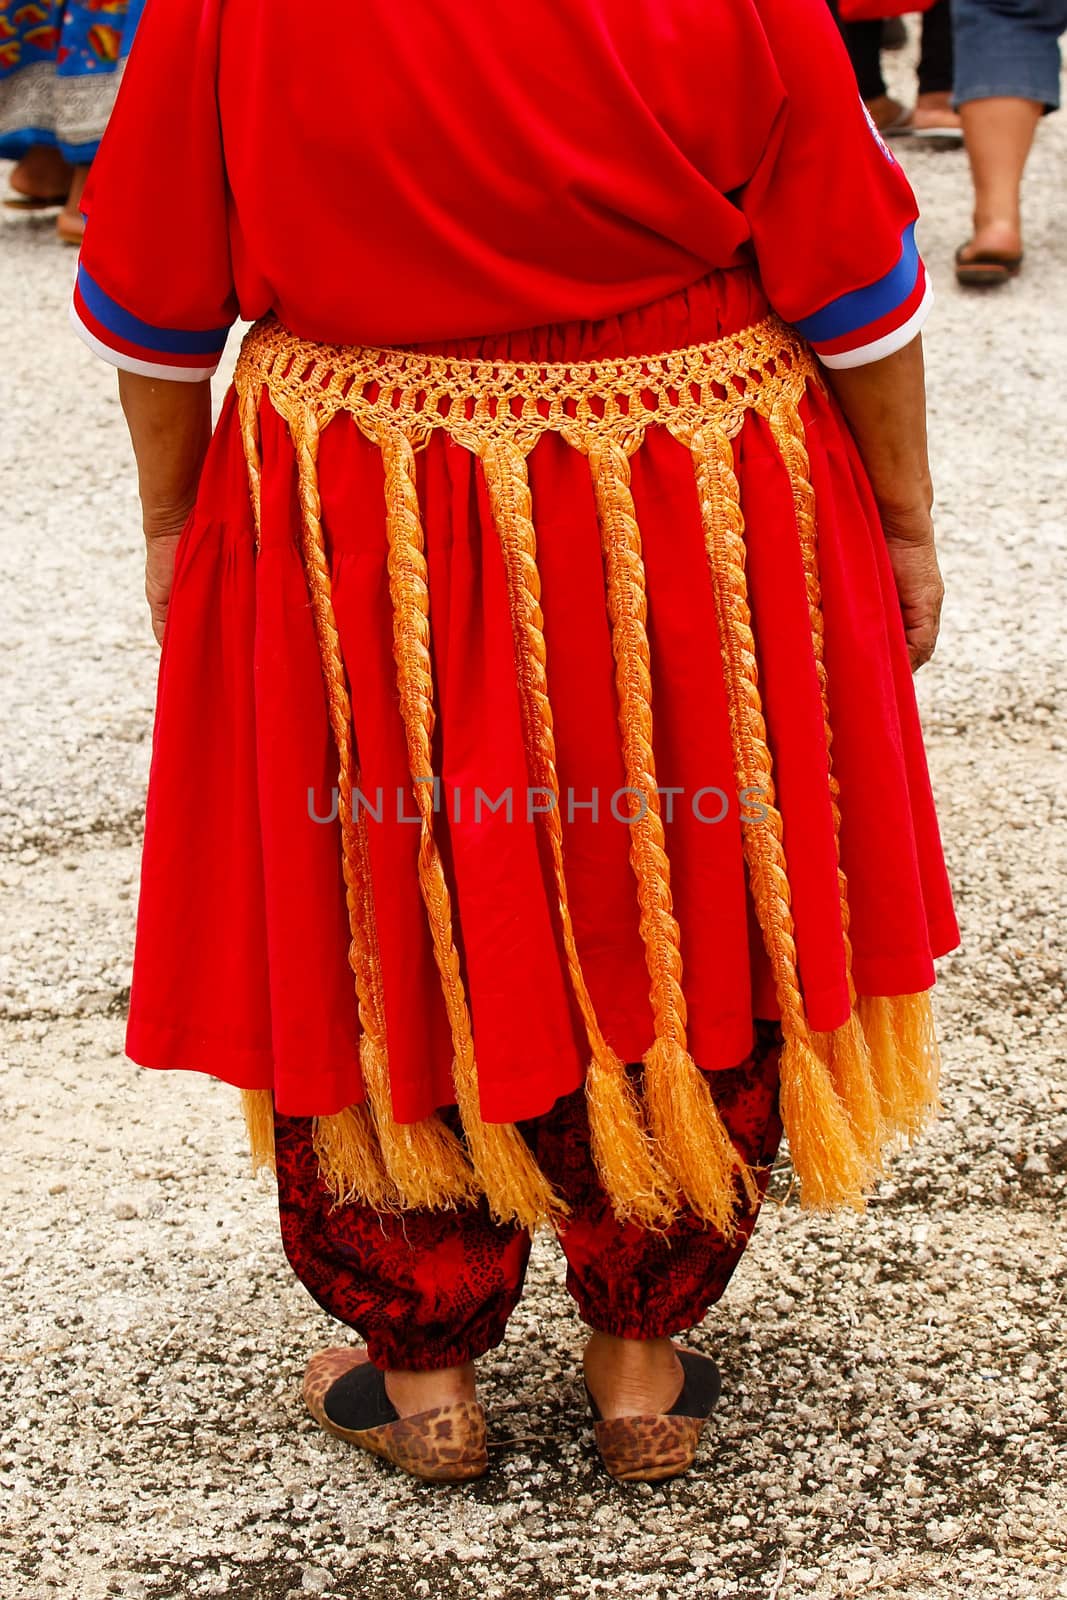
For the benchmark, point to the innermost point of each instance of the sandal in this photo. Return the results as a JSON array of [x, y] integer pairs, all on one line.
[[33, 202], [938, 133], [346, 1395], [649, 1449], [986, 267]]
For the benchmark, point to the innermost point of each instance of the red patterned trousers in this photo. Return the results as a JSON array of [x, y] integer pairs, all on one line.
[[436, 1288]]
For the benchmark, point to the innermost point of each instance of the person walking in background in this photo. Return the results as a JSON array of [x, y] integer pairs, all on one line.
[[538, 815], [932, 116], [60, 67], [1007, 79]]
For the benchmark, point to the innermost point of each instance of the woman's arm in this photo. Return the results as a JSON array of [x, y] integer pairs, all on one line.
[[170, 427], [885, 404]]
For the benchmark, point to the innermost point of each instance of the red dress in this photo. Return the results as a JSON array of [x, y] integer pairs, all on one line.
[[622, 177]]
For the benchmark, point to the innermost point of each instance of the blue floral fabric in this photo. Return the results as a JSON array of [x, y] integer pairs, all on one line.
[[60, 65]]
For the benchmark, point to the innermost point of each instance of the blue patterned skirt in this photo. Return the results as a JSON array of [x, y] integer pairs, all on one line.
[[60, 66]]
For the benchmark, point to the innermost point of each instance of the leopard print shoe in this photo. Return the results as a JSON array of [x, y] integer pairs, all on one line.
[[447, 1445], [649, 1449]]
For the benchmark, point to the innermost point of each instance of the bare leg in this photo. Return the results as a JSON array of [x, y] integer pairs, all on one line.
[[998, 135], [632, 1377], [414, 1392], [933, 105], [69, 224]]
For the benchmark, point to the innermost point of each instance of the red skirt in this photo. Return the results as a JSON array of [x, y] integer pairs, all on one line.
[[242, 957]]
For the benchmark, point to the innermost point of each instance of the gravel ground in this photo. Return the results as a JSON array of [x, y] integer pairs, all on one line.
[[895, 1384]]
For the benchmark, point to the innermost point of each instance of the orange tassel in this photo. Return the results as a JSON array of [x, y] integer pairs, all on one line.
[[423, 1161], [691, 1139], [258, 1108], [633, 1179], [514, 1186], [826, 1157], [849, 1057], [350, 1160]]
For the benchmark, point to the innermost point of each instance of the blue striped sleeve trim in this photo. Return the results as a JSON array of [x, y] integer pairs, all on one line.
[[167, 341], [863, 306]]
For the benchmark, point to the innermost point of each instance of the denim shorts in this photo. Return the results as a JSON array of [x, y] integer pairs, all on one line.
[[1008, 48]]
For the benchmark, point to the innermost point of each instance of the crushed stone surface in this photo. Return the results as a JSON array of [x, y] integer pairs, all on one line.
[[895, 1384]]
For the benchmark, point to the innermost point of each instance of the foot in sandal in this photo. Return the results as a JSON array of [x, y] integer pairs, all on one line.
[[992, 255], [650, 1402], [934, 119], [428, 1424]]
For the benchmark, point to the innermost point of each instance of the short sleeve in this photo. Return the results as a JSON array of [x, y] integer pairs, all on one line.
[[831, 213], [155, 291]]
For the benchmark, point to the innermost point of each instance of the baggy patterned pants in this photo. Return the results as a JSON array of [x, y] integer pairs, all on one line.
[[431, 1289]]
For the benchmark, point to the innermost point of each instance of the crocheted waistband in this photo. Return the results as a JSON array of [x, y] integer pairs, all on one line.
[[479, 403]]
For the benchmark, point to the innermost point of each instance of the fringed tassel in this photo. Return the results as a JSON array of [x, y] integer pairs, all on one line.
[[851, 1069], [514, 1185], [633, 1179], [691, 1139], [846, 1048], [903, 1043], [258, 1108], [350, 1159], [828, 1162], [916, 1036], [887, 1068], [825, 1156], [422, 1163]]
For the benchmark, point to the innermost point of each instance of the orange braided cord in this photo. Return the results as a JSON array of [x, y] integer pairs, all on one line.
[[257, 1104], [849, 1052], [248, 414], [693, 1140], [788, 430], [423, 1161], [627, 607], [824, 1151], [514, 1185], [633, 1179]]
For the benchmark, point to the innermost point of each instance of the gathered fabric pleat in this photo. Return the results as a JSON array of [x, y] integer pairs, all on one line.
[[573, 725], [202, 815]]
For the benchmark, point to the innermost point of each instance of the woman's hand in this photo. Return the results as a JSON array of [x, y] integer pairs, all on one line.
[[170, 426], [910, 542], [885, 403], [161, 545]]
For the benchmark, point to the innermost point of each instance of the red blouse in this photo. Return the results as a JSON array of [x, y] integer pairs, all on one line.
[[395, 173]]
